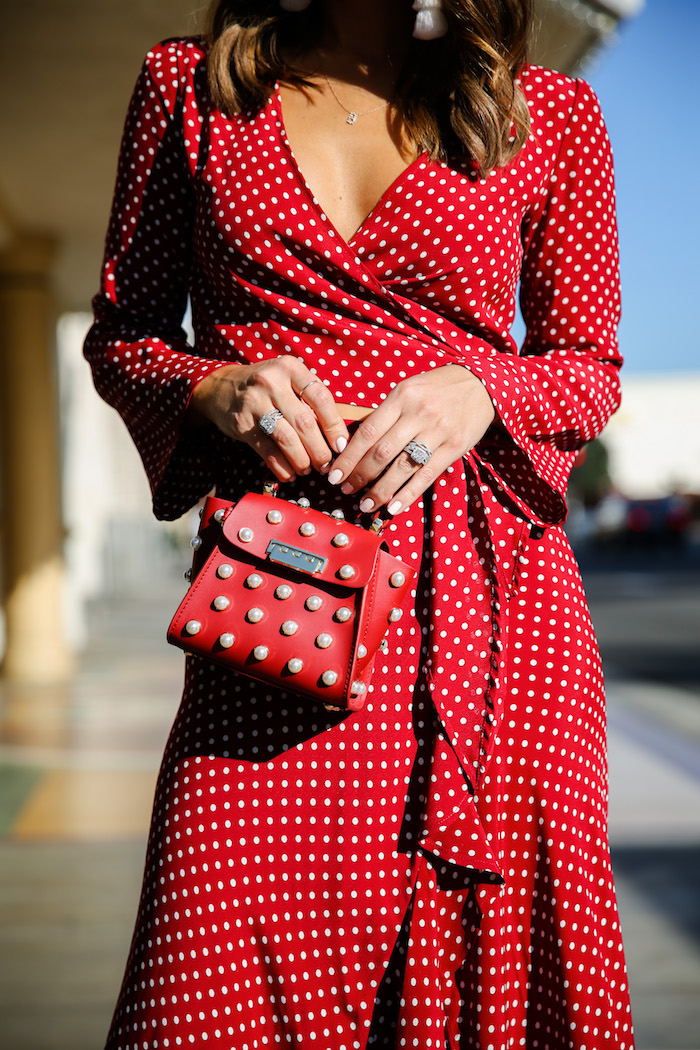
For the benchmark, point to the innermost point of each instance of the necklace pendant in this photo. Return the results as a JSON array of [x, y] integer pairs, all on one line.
[[352, 118]]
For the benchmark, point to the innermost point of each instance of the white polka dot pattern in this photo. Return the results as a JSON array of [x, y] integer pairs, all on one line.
[[433, 870]]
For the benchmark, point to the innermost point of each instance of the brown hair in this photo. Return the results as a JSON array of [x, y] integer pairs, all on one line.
[[457, 95]]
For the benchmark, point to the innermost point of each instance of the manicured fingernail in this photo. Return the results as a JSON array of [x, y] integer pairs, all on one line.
[[367, 505], [394, 507], [335, 476], [307, 471], [347, 488], [325, 468], [341, 444]]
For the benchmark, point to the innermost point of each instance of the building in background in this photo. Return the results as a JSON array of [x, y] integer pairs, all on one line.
[[74, 505], [570, 32], [654, 439]]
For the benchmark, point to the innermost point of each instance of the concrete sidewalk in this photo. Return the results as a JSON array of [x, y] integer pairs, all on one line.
[[654, 749], [77, 770]]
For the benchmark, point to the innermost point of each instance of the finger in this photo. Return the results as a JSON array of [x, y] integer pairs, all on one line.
[[318, 397], [371, 437], [272, 456], [298, 434], [382, 492], [401, 496], [312, 449], [383, 461], [291, 447], [284, 435]]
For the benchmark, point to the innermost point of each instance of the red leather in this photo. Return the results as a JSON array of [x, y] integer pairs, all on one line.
[[369, 595]]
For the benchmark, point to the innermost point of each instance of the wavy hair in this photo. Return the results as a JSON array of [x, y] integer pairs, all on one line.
[[457, 96]]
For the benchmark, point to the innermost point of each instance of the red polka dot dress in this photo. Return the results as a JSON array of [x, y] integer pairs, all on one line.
[[432, 871]]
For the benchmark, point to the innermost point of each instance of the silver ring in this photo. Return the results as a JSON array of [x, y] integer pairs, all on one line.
[[418, 452], [307, 386], [268, 422]]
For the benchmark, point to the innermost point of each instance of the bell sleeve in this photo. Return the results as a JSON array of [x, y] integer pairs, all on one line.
[[562, 388], [141, 362]]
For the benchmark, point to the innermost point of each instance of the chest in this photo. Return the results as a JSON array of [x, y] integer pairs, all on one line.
[[274, 208], [349, 158]]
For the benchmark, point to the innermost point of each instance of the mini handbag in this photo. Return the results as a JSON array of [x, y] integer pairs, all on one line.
[[290, 595]]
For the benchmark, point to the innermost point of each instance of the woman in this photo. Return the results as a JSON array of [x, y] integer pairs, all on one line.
[[350, 210]]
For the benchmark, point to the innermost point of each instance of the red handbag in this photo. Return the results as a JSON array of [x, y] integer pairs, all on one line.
[[290, 595]]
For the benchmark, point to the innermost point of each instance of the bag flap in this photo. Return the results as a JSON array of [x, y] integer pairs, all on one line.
[[323, 555]]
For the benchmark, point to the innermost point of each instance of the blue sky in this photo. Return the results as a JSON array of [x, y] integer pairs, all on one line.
[[647, 82]]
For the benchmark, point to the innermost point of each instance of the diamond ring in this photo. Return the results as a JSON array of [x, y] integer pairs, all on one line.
[[418, 452], [268, 422]]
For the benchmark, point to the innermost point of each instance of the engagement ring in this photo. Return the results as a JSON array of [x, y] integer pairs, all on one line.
[[268, 422], [418, 452]]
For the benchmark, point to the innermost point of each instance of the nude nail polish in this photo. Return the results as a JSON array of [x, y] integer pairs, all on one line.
[[394, 507], [341, 444], [347, 488], [335, 476], [367, 505]]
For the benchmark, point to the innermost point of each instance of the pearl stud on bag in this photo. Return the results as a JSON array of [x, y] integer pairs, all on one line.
[[294, 5], [430, 20]]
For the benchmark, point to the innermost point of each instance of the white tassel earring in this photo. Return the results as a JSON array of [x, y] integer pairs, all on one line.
[[430, 20], [294, 5]]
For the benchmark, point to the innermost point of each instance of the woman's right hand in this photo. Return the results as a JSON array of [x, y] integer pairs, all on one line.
[[235, 397]]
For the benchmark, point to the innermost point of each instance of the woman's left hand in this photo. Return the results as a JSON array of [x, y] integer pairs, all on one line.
[[447, 409]]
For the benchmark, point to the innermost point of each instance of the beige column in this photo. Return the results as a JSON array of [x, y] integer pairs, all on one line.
[[32, 563]]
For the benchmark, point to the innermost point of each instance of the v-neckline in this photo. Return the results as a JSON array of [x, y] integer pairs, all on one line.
[[386, 194]]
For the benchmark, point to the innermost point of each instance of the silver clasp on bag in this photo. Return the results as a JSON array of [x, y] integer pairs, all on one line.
[[295, 557]]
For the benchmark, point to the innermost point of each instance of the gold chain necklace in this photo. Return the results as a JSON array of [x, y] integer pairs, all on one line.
[[352, 114]]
